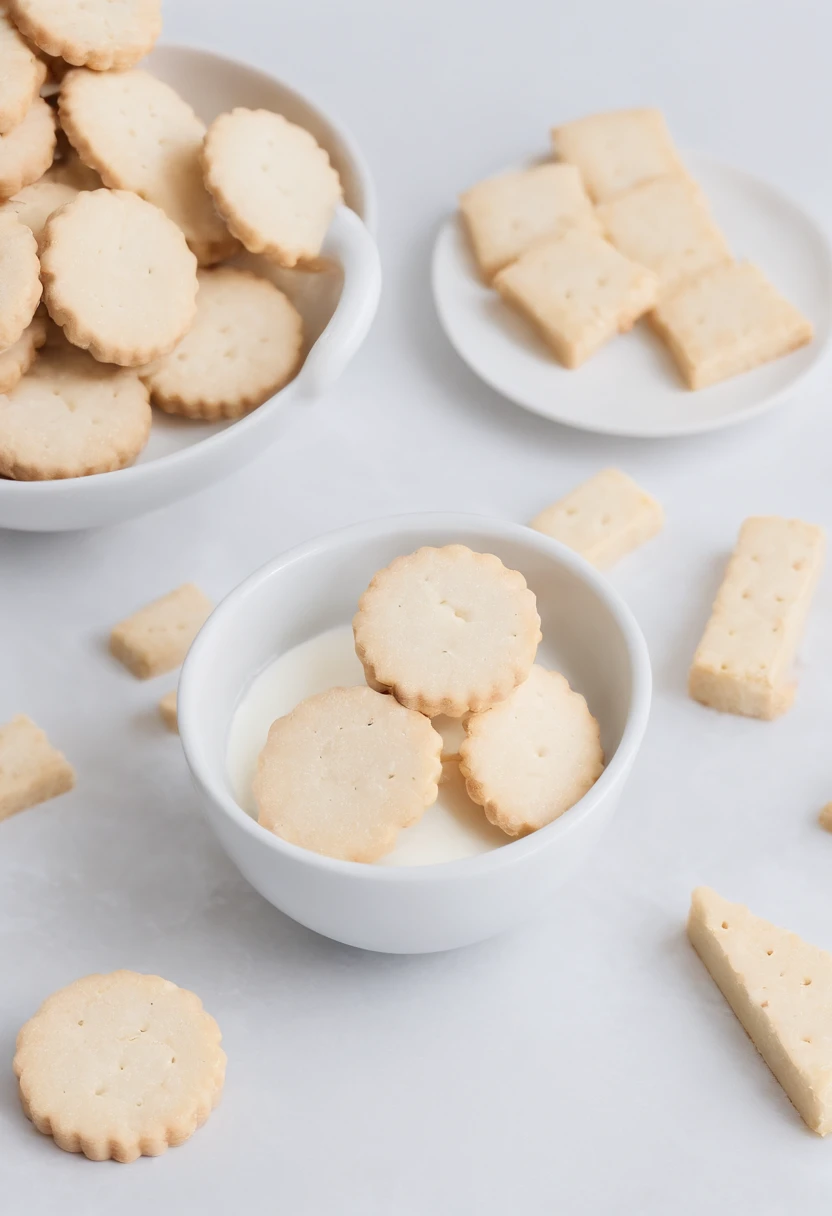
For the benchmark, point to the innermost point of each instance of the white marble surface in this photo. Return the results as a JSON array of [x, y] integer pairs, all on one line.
[[586, 1064]]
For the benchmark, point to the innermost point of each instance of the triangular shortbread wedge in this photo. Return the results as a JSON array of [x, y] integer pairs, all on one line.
[[780, 988]]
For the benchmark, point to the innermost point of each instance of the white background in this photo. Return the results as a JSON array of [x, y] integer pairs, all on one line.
[[585, 1064]]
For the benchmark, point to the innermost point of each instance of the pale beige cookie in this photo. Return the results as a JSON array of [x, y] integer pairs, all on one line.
[[345, 771], [244, 345], [618, 150], [70, 416], [825, 817], [603, 519], [16, 359], [272, 184], [20, 288], [665, 225], [167, 711], [21, 75], [34, 204], [578, 292], [157, 637], [26, 150], [530, 758], [447, 630], [100, 34], [728, 320], [506, 215], [140, 135], [780, 989], [118, 277], [120, 1066], [31, 769]]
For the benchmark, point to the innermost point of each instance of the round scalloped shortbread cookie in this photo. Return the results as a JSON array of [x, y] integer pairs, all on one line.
[[140, 135], [118, 277], [345, 771], [21, 75], [71, 416], [447, 630], [34, 204], [100, 34], [16, 360], [20, 288], [26, 151], [530, 758], [243, 346], [120, 1066], [272, 184]]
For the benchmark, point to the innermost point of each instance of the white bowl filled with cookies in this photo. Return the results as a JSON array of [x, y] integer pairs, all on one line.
[[409, 732], [184, 251]]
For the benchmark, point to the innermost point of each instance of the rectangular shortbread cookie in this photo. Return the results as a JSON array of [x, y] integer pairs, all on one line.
[[578, 291], [603, 519], [157, 638], [506, 215], [728, 320], [780, 988], [31, 769], [665, 224], [167, 710], [742, 665], [618, 150]]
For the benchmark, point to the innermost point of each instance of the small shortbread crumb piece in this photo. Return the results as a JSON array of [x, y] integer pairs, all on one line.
[[742, 664], [120, 1066], [506, 215], [345, 771], [447, 630], [167, 709], [728, 320], [272, 183], [118, 277], [20, 288], [34, 204], [156, 638], [244, 345], [780, 988], [665, 225], [603, 519], [26, 150], [140, 135], [16, 359], [618, 150], [578, 291], [71, 416], [530, 758], [21, 75], [825, 817], [31, 769], [102, 34]]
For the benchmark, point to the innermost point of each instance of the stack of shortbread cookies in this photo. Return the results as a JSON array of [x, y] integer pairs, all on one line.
[[615, 229], [440, 633], [119, 209]]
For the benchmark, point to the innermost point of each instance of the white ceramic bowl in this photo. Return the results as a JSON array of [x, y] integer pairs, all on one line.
[[403, 910], [337, 304]]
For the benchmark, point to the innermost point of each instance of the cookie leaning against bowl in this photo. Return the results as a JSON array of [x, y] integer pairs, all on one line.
[[272, 183], [120, 1066], [345, 771], [20, 288], [447, 630], [71, 416], [530, 758], [118, 277], [140, 135], [244, 345], [26, 150], [93, 33], [21, 75]]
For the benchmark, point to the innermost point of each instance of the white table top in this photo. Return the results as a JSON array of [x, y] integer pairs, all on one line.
[[585, 1064]]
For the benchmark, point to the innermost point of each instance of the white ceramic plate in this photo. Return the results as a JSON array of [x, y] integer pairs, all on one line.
[[631, 387]]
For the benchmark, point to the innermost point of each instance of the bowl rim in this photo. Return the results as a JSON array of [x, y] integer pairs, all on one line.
[[514, 851], [26, 491]]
